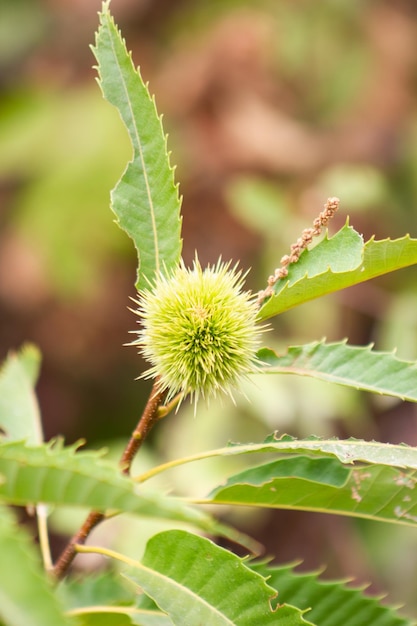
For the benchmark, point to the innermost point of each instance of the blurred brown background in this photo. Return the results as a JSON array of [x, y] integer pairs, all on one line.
[[271, 107]]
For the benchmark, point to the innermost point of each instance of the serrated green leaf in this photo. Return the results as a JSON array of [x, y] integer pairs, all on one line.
[[316, 484], [310, 278], [352, 366], [146, 200], [346, 451], [19, 410], [26, 595], [332, 603], [196, 582], [62, 476]]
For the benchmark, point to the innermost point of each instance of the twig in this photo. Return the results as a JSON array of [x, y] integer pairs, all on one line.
[[68, 555], [148, 419]]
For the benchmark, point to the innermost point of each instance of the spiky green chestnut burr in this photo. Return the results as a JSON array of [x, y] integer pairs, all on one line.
[[199, 330]]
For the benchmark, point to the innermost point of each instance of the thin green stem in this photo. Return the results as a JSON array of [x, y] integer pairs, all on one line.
[[112, 554], [167, 408], [177, 462], [42, 522]]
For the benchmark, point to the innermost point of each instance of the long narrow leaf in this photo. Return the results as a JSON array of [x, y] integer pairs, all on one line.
[[325, 485], [62, 476], [346, 451], [145, 200], [352, 366]]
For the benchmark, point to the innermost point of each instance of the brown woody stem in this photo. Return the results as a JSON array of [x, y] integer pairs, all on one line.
[[67, 556], [148, 419]]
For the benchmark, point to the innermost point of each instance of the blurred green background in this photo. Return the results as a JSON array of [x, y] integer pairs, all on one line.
[[271, 107]]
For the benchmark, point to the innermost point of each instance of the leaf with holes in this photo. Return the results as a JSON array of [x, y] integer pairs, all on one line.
[[324, 484], [347, 451]]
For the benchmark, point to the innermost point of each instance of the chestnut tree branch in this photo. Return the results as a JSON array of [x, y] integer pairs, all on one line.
[[148, 419]]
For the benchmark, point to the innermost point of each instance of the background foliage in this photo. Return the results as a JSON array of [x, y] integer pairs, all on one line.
[[271, 107]]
